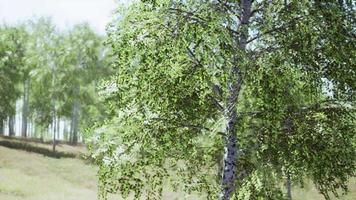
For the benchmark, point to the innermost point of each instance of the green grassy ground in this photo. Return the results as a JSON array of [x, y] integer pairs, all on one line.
[[309, 192], [78, 150], [30, 176]]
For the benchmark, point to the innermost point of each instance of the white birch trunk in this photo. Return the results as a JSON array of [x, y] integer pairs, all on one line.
[[229, 173], [25, 107]]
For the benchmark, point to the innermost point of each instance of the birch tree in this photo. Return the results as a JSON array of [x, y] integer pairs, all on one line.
[[82, 69], [228, 98], [46, 60], [12, 53]]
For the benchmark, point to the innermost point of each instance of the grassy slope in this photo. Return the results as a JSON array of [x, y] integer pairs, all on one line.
[[80, 149], [29, 176]]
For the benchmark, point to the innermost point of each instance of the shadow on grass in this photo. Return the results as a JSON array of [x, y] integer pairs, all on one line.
[[35, 149]]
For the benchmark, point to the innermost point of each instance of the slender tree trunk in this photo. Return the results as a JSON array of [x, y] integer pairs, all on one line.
[[65, 131], [42, 132], [54, 133], [12, 125], [289, 187], [58, 128], [33, 129], [25, 107], [54, 114], [28, 130], [1, 127], [229, 174], [71, 129], [287, 128], [75, 121]]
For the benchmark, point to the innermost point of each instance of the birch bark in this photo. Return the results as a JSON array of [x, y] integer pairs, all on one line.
[[229, 174]]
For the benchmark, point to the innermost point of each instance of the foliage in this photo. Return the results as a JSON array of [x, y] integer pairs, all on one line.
[[12, 50], [168, 101]]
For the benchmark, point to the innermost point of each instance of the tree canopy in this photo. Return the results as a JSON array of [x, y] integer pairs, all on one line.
[[228, 98], [12, 53]]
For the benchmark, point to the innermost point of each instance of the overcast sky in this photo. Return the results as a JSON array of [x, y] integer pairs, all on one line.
[[65, 13]]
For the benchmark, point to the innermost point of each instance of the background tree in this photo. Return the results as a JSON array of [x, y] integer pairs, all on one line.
[[12, 52], [82, 69], [43, 90]]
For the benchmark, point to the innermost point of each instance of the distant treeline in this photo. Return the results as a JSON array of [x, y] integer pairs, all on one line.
[[48, 80]]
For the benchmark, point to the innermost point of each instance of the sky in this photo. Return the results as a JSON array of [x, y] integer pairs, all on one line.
[[65, 13]]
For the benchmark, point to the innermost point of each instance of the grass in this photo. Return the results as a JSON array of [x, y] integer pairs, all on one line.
[[61, 147], [31, 176], [309, 192]]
